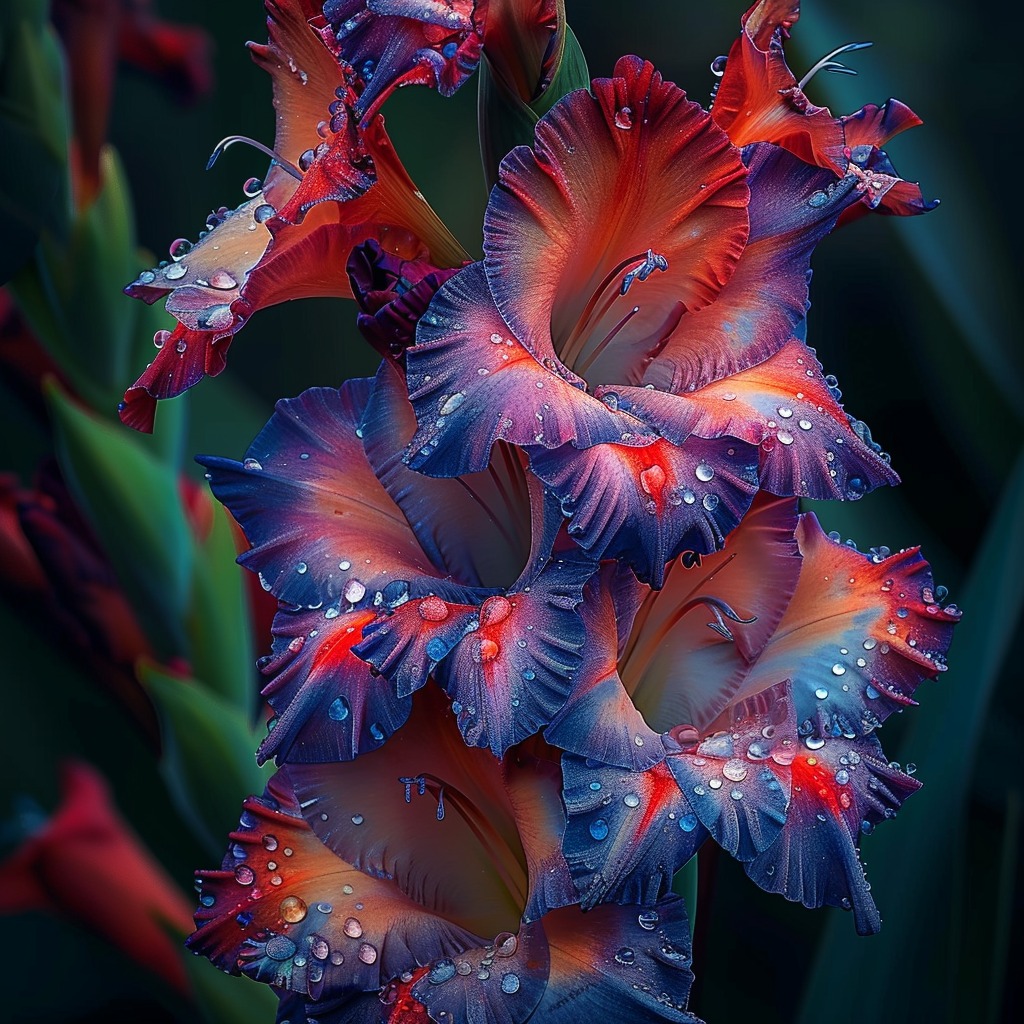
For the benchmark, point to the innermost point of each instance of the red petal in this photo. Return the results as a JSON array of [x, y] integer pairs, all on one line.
[[758, 99], [578, 191], [808, 444], [184, 358], [286, 910]]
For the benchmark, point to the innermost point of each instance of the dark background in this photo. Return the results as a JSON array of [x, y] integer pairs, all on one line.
[[918, 320]]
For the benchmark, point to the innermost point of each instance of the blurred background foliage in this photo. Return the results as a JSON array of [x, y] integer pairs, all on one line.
[[919, 320]]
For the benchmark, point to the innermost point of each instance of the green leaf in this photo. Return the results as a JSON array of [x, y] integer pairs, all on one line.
[[572, 74], [505, 120], [684, 883], [209, 760], [34, 193], [914, 864], [218, 621], [131, 500], [71, 293], [225, 999]]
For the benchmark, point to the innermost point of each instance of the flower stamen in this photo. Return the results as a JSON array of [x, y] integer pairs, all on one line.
[[230, 140], [828, 64]]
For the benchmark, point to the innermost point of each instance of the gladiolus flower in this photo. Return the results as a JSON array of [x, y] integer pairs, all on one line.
[[667, 357], [757, 731], [430, 873], [332, 185]]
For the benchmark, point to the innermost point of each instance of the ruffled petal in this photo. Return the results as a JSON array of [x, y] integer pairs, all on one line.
[[393, 294], [510, 676], [286, 910], [738, 781], [183, 358], [599, 720], [881, 188], [392, 43], [793, 205], [500, 983], [670, 237], [759, 100], [808, 445], [472, 384], [686, 655], [430, 813], [330, 705], [627, 832], [859, 635], [480, 528], [618, 964], [839, 791], [648, 504], [323, 530], [239, 267], [875, 125]]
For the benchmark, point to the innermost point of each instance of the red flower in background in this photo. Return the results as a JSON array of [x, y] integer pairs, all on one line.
[[87, 865]]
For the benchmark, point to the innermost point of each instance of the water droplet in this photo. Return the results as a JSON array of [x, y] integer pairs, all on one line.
[[280, 947], [352, 927], [509, 983], [842, 776], [302, 568], [821, 693], [737, 794], [805, 424], [252, 188], [599, 829], [785, 437], [631, 800], [244, 875], [222, 280], [838, 670], [818, 199], [253, 465], [441, 971], [688, 822], [270, 843], [624, 118], [367, 953], [293, 910], [325, 908], [175, 271], [704, 472], [710, 502], [626, 956], [814, 742], [735, 771], [648, 920], [451, 403], [357, 819], [354, 591]]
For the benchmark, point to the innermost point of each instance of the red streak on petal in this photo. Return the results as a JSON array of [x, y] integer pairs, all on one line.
[[815, 780], [339, 647]]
